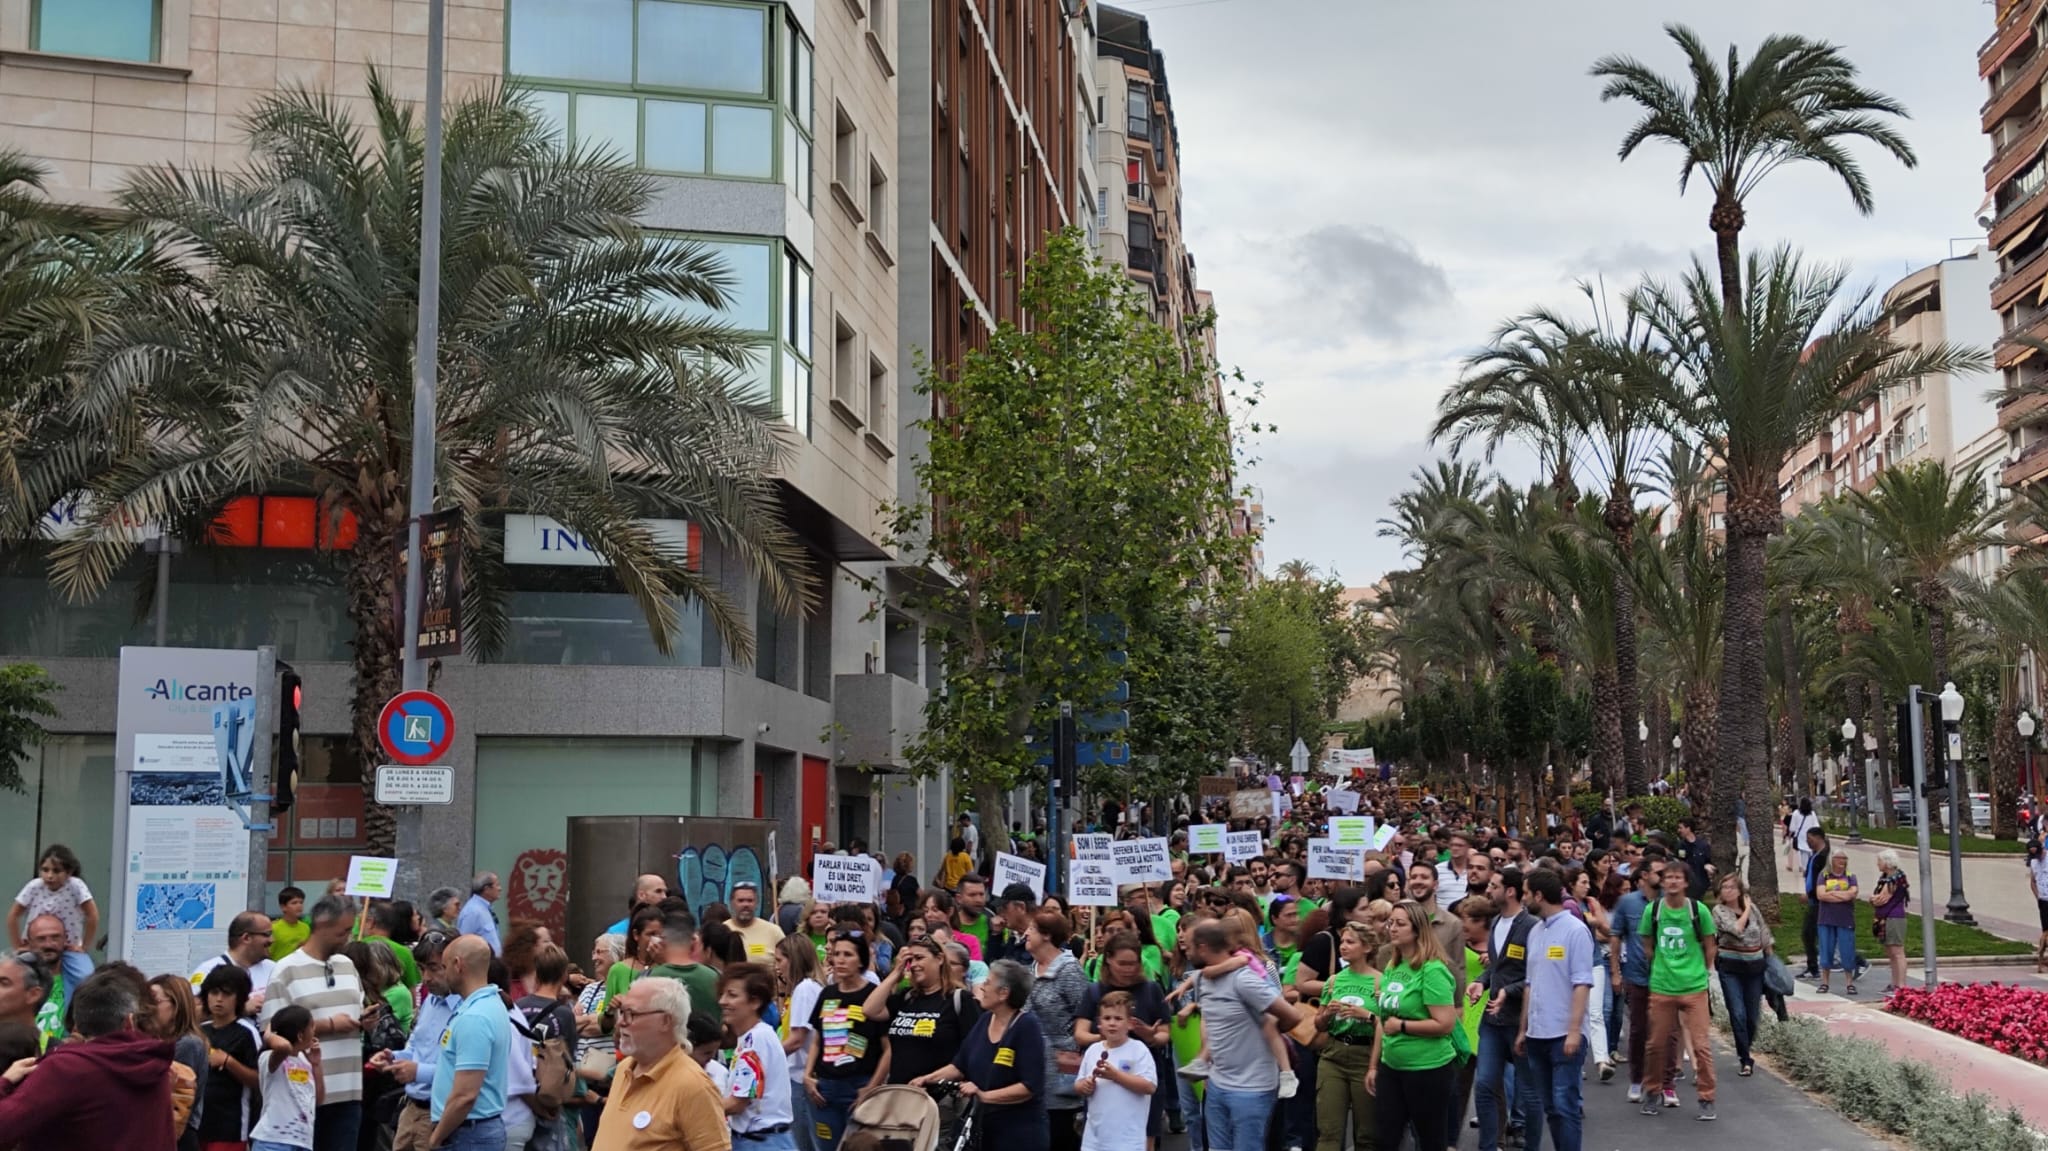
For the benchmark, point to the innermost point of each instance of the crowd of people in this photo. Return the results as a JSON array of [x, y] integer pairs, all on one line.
[[1469, 978]]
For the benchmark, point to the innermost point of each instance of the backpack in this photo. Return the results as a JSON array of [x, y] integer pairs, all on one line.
[[554, 1072]]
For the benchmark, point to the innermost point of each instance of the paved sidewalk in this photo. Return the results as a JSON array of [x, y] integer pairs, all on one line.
[[1996, 888], [1968, 1066], [1762, 1111]]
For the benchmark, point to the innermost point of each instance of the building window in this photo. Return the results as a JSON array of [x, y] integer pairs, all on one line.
[[878, 198], [846, 157], [1141, 244], [881, 432], [1138, 120], [768, 293], [795, 380], [681, 86], [111, 29], [849, 390], [797, 102]]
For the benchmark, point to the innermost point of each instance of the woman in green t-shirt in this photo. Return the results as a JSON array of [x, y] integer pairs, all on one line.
[[1345, 1012], [1414, 1068]]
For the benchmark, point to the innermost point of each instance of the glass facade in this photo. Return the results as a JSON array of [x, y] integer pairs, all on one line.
[[527, 789], [112, 29], [69, 800], [768, 293], [688, 87]]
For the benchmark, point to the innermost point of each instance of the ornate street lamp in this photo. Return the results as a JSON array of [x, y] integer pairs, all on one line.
[[1851, 792], [1958, 801]]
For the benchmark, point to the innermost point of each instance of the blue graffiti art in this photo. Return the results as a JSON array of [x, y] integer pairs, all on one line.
[[708, 874]]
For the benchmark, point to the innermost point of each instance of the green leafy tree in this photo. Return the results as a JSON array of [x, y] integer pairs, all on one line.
[[1795, 100], [577, 380], [1078, 475], [1181, 708], [25, 693], [1277, 668]]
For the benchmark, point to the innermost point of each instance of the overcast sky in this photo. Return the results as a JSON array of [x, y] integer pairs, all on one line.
[[1372, 185]]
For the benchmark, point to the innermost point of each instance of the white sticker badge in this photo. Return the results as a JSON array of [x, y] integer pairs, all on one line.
[[641, 1120]]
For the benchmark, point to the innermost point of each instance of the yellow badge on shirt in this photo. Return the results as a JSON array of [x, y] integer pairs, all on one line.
[[925, 1028], [298, 1075], [446, 1032], [1515, 951], [1006, 1057], [1553, 953], [855, 1014]]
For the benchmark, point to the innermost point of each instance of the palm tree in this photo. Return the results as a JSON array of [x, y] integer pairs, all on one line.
[[1752, 383], [1521, 387], [1297, 571], [1830, 550], [572, 386], [1795, 100], [59, 282], [1678, 583]]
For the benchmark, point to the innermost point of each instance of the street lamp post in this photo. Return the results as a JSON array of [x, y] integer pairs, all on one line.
[[1677, 753], [1951, 726], [2026, 726], [1854, 793]]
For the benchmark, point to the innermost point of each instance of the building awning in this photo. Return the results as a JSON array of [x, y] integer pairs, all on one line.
[[2016, 241], [2023, 357]]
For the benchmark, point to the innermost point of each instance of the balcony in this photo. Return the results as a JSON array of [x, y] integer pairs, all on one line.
[[2016, 20], [2013, 286], [2018, 410], [2022, 143], [878, 715], [2030, 465], [2009, 95]]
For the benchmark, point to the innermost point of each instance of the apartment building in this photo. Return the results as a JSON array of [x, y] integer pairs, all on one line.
[[771, 131], [2013, 64], [1137, 152], [1943, 418]]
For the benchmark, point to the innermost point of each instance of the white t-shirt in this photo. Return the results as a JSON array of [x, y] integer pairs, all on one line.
[[67, 903], [259, 977], [716, 1071], [2039, 869], [288, 1098], [518, 1072], [1117, 1114], [1800, 824], [803, 1000], [1451, 885], [760, 1072]]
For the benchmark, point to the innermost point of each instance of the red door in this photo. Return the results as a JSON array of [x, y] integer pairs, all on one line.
[[811, 833]]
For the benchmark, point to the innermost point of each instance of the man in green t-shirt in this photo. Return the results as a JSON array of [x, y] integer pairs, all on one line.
[[679, 956], [1678, 937]]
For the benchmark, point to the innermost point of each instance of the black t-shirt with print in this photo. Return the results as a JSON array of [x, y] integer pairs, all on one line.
[[925, 1030], [849, 1043]]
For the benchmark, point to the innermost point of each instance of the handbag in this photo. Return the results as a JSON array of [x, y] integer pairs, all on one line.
[[1777, 976]]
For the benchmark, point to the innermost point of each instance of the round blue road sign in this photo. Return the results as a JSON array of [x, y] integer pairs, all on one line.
[[416, 728]]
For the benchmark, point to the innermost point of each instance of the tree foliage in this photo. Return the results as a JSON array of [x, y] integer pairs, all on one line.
[[1078, 476], [25, 694]]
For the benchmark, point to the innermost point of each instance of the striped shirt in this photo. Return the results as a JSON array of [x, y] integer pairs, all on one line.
[[304, 981]]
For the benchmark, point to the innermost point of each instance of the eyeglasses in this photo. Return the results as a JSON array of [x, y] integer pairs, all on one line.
[[328, 967], [628, 1015]]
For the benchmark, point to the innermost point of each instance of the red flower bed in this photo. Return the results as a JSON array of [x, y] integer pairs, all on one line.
[[2001, 1016]]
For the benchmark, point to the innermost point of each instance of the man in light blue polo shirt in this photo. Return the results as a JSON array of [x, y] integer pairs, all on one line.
[[468, 1099], [413, 1065], [1560, 981]]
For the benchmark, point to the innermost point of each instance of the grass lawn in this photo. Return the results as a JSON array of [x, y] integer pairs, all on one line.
[[1950, 939], [1906, 837]]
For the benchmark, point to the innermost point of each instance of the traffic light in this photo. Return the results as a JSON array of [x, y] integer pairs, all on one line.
[[286, 773]]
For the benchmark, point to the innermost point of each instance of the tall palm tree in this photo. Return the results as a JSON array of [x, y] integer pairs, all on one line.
[[1297, 571], [1678, 581], [1520, 387], [571, 385], [1828, 550], [1752, 383], [1794, 100], [60, 277]]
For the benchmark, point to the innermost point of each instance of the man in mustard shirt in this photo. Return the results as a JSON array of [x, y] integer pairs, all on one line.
[[661, 1100]]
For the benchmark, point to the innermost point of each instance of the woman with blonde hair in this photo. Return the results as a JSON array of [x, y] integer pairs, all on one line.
[[1345, 1014], [795, 961], [1888, 907], [1413, 1071], [1742, 943]]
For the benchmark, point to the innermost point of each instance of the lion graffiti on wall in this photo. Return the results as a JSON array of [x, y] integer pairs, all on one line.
[[538, 890]]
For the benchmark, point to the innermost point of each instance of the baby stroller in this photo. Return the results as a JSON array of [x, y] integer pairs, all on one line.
[[900, 1118]]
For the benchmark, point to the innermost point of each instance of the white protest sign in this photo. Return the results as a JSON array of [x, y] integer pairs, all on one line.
[[1328, 861], [1091, 845], [845, 879], [1345, 802], [1016, 869], [1090, 883], [1380, 837], [1207, 838], [1140, 861], [1350, 830], [1239, 846], [371, 875], [1282, 805]]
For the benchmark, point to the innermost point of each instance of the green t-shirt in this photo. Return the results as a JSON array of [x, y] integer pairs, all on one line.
[[618, 980], [400, 1002], [286, 938], [1407, 993], [1678, 958], [408, 967], [701, 981], [1166, 927], [1186, 1037], [1356, 989], [50, 1016], [1475, 967], [1306, 908]]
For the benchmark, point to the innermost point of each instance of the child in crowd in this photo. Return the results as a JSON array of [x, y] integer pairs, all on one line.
[[707, 1038], [290, 1075], [1117, 1078], [1245, 952], [290, 930], [232, 1044], [57, 890]]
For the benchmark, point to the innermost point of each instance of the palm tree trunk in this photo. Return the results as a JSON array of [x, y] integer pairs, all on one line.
[[1726, 221], [1608, 739], [2005, 760], [374, 591], [1796, 752], [1744, 770], [1697, 740], [1619, 516]]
